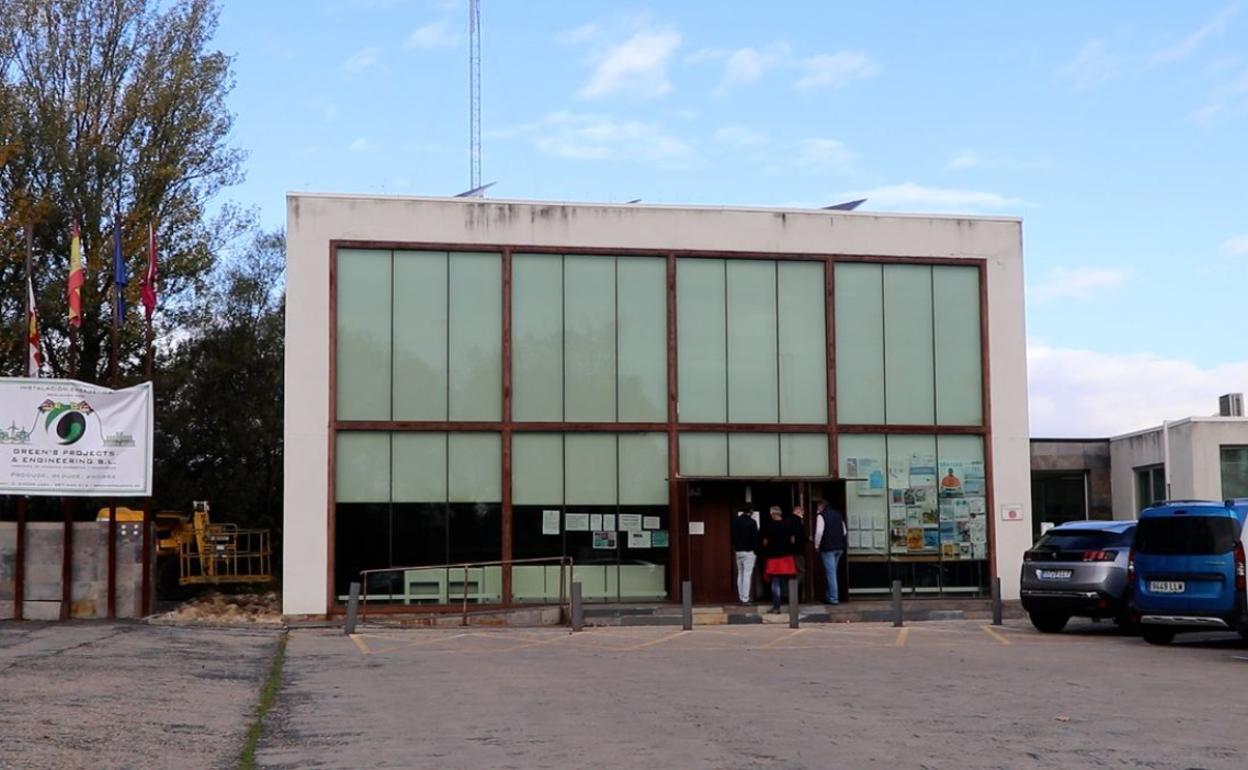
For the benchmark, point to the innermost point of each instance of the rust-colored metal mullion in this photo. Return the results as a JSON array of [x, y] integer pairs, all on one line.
[[507, 553], [19, 567], [829, 292], [67, 559], [673, 442], [332, 428], [985, 367]]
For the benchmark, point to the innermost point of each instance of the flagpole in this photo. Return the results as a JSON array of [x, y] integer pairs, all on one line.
[[112, 508], [149, 310], [67, 506], [19, 569]]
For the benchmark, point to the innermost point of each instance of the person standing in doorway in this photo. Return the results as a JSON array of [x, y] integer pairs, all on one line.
[[779, 541], [744, 545], [830, 539]]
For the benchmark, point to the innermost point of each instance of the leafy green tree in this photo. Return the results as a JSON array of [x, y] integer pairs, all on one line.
[[219, 394], [109, 106]]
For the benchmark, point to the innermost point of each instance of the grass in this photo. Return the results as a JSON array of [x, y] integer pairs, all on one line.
[[268, 696]]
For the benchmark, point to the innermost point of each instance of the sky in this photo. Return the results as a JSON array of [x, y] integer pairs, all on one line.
[[1118, 132]]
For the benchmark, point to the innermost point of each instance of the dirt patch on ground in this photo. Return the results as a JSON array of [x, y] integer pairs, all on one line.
[[215, 608]]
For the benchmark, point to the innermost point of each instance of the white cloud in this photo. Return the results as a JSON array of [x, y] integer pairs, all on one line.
[[748, 65], [360, 145], [636, 67], [822, 153], [1086, 393], [1229, 97], [586, 33], [835, 71], [964, 160], [1188, 45], [362, 60], [911, 195], [1078, 283], [1093, 66], [1236, 246], [436, 34], [738, 136], [583, 136]]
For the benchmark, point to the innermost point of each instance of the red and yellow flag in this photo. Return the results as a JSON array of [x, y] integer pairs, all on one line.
[[34, 357], [75, 278]]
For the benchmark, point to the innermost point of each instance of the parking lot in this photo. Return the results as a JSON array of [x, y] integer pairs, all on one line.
[[937, 695], [957, 694]]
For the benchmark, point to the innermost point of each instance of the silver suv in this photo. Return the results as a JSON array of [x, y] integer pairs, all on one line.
[[1080, 569]]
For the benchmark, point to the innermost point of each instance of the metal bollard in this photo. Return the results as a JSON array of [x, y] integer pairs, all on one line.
[[996, 601], [578, 607], [897, 615], [793, 605], [686, 605], [353, 607]]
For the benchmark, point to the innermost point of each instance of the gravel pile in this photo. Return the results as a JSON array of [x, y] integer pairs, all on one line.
[[217, 607]]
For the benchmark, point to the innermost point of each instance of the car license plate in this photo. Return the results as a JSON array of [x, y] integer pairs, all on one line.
[[1054, 574], [1167, 586]]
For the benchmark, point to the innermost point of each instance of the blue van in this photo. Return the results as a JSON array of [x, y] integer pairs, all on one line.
[[1187, 568]]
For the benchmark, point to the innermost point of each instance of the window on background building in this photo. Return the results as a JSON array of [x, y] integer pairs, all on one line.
[[599, 499], [916, 512], [1150, 486], [1234, 471]]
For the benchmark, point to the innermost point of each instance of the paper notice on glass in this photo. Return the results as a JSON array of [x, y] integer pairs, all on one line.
[[630, 522], [658, 538], [576, 522], [638, 539], [604, 541], [872, 478], [650, 522], [595, 522], [897, 475], [922, 470], [608, 521], [979, 530], [879, 539], [550, 522], [855, 522], [880, 521], [975, 506], [855, 537], [979, 550]]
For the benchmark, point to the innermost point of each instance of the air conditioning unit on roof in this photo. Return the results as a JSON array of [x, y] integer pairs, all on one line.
[[1231, 405]]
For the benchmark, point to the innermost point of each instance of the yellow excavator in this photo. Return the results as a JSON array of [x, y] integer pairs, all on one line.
[[206, 553]]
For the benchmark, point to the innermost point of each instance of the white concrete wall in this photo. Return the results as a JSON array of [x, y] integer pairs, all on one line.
[[1126, 453], [314, 220]]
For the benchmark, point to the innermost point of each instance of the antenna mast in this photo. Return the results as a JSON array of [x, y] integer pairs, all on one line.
[[474, 93]]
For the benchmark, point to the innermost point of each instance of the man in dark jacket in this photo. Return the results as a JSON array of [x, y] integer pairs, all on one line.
[[744, 545], [830, 539]]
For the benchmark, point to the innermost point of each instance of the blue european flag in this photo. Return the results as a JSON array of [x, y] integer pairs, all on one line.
[[119, 270]]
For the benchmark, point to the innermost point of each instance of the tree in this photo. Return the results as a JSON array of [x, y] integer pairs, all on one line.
[[109, 107], [219, 394]]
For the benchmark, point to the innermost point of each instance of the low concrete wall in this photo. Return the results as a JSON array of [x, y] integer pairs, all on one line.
[[41, 597]]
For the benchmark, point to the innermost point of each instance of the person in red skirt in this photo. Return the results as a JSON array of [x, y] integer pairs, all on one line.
[[782, 539]]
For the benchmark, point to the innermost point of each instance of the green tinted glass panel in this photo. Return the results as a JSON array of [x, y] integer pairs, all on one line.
[[803, 454], [537, 337], [643, 469], [859, 343], [590, 469], [418, 463], [537, 468], [704, 454], [420, 335], [959, 391], [1234, 472], [362, 468], [753, 454], [363, 375], [700, 330], [475, 467], [803, 342], [866, 506], [642, 291], [589, 337], [476, 332], [753, 385], [910, 377]]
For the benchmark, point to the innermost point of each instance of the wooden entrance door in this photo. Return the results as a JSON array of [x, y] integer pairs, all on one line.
[[711, 561]]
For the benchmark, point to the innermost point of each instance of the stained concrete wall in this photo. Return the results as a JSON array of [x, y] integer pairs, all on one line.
[[89, 579]]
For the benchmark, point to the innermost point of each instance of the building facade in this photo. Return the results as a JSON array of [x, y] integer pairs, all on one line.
[[509, 384], [1197, 458]]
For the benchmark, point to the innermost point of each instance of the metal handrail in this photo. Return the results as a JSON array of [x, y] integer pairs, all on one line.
[[565, 565]]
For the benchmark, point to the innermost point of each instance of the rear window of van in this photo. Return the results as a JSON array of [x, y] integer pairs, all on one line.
[[1186, 535]]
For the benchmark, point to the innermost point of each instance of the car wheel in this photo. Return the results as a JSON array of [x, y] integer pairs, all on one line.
[[1155, 635], [1048, 622]]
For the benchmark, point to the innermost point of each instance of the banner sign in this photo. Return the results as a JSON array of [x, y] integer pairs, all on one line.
[[63, 437]]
